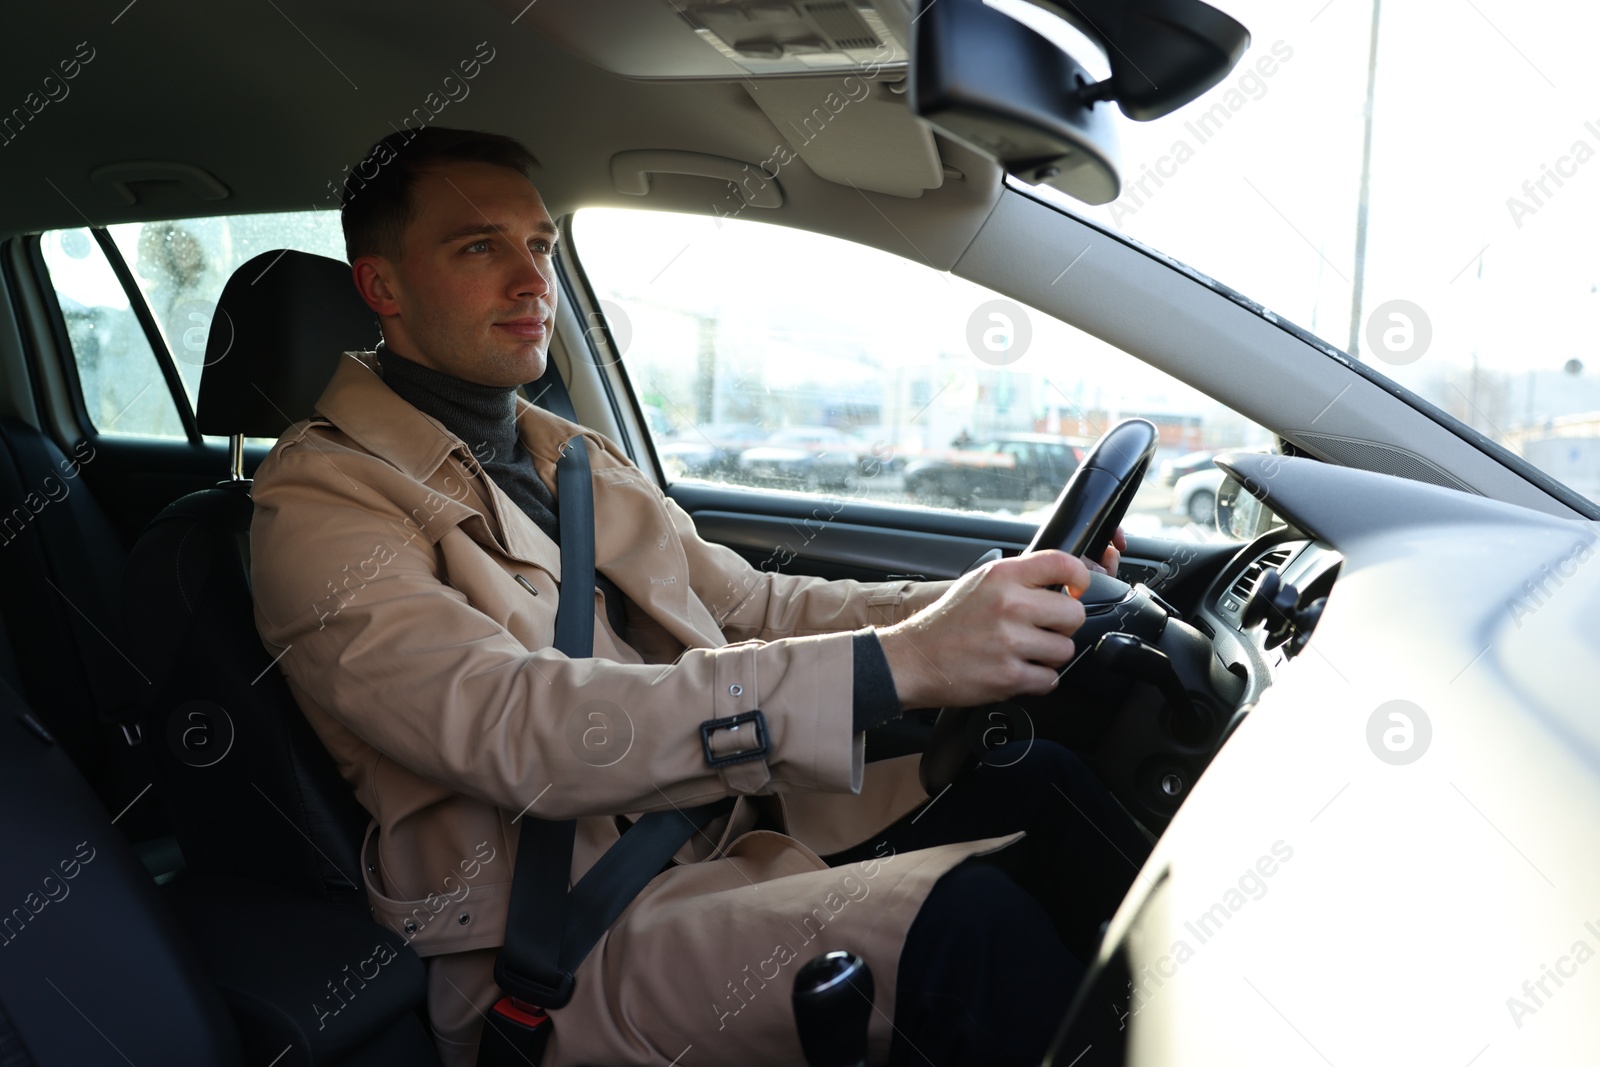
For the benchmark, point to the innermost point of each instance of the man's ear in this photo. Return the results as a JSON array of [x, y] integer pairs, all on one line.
[[374, 278]]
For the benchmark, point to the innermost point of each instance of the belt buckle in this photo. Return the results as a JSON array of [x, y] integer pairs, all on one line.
[[734, 722]]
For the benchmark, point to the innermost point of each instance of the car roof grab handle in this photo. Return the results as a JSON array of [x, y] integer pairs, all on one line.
[[116, 180], [630, 173]]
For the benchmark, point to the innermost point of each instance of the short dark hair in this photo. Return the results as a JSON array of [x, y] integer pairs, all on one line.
[[376, 202]]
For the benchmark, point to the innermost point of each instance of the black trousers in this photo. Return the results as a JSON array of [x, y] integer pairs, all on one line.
[[1001, 943]]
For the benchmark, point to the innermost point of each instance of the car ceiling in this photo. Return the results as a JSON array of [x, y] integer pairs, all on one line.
[[276, 97]]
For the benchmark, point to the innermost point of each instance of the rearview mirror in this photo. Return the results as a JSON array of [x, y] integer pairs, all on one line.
[[983, 78]]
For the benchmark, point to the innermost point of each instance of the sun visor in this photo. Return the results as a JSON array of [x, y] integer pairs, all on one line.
[[853, 129]]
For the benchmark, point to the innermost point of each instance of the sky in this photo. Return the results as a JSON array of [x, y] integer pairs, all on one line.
[[1472, 99]]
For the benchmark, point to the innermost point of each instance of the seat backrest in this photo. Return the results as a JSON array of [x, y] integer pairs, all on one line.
[[94, 963], [60, 559], [253, 791]]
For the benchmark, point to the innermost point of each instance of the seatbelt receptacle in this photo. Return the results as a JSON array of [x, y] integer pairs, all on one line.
[[514, 1034]]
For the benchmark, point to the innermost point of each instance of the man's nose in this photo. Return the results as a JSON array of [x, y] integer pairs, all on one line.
[[533, 276]]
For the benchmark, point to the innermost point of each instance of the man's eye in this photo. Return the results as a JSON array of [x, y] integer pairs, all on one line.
[[544, 248], [477, 246]]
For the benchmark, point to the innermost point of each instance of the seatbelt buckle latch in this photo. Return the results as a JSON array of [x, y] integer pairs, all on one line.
[[515, 1033], [546, 990]]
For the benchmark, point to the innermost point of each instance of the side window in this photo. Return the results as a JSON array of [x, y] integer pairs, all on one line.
[[123, 389], [180, 267], [775, 358]]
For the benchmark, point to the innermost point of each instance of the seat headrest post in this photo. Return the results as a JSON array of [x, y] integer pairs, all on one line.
[[236, 458]]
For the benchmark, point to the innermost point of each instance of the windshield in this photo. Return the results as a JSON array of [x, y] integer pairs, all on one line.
[[1454, 251]]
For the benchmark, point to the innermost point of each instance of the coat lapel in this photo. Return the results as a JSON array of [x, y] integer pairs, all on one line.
[[635, 543]]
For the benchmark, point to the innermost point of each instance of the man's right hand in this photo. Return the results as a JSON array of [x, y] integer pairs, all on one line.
[[996, 633]]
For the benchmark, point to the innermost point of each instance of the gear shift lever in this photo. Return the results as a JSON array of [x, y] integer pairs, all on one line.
[[832, 1003]]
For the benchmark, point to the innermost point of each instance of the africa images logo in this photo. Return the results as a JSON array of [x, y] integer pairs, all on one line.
[[1399, 732]]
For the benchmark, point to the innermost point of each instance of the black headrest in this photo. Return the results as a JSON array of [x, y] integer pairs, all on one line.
[[283, 319]]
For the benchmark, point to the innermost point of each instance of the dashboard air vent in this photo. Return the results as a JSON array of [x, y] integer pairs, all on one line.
[[1246, 582]]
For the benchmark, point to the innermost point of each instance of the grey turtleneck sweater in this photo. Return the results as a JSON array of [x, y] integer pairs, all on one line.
[[484, 417]]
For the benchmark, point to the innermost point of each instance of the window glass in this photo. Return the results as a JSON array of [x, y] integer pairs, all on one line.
[[182, 265], [1466, 275], [123, 389], [775, 358]]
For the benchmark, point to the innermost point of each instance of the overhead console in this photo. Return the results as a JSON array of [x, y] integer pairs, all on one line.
[[723, 39], [1007, 87]]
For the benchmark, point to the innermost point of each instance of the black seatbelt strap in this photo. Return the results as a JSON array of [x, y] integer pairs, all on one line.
[[550, 931], [548, 391], [575, 512]]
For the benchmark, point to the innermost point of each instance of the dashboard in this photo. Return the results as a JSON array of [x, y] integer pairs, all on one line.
[[1255, 645], [1473, 611], [1196, 673]]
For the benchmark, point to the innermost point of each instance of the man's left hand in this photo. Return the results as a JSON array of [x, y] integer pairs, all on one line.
[[1113, 555]]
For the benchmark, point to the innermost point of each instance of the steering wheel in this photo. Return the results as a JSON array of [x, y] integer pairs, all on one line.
[[1086, 516]]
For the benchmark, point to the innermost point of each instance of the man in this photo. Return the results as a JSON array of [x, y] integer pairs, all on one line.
[[405, 563]]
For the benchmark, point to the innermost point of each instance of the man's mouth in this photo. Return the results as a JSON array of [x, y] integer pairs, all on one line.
[[528, 329]]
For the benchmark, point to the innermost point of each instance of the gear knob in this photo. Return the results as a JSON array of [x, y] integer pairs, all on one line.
[[833, 996]]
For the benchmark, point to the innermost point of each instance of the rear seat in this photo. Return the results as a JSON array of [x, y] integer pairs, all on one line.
[[206, 967], [85, 934], [103, 967], [61, 565]]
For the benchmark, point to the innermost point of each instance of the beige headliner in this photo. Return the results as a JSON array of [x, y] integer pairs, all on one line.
[[276, 97]]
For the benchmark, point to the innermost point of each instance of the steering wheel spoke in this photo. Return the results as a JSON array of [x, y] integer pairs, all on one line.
[[1085, 518]]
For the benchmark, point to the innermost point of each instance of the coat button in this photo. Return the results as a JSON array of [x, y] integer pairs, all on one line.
[[411, 926], [735, 689], [464, 919], [371, 868]]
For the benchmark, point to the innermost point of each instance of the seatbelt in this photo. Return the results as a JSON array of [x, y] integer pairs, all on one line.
[[550, 931], [575, 513], [548, 391]]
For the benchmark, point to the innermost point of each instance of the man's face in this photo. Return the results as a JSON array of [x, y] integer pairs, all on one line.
[[473, 292]]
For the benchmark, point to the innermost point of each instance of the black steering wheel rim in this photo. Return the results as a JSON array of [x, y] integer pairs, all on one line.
[[1100, 491], [1085, 517]]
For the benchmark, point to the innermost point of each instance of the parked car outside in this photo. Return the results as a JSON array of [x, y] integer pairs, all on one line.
[[1188, 463], [803, 457], [1020, 467], [1195, 495], [710, 451]]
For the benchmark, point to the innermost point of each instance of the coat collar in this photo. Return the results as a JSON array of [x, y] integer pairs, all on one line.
[[376, 417]]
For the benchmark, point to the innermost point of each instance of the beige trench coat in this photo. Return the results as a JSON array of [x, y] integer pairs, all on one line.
[[389, 573]]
